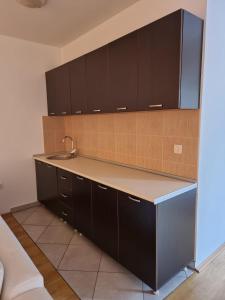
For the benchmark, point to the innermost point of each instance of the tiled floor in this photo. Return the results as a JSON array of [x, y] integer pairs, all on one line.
[[90, 272]]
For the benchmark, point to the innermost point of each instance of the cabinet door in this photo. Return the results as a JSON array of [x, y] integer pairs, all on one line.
[[77, 85], [47, 192], [58, 91], [105, 227], [123, 73], [159, 63], [82, 208], [97, 81], [137, 237]]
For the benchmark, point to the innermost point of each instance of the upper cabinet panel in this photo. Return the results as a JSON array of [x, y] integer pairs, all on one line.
[[58, 91], [170, 62], [78, 86], [123, 73], [97, 81]]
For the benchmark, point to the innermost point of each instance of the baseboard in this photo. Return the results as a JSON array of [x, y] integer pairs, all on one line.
[[25, 206], [208, 260]]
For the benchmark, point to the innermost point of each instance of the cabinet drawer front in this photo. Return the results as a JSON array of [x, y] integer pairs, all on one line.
[[65, 182], [67, 214], [137, 236]]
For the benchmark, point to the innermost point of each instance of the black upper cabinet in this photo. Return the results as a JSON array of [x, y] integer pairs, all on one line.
[[137, 237], [82, 207], [123, 73], [155, 67], [170, 62], [78, 85], [97, 81], [105, 226], [58, 91]]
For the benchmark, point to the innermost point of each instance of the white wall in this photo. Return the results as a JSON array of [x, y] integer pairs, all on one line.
[[135, 16], [211, 198], [22, 104]]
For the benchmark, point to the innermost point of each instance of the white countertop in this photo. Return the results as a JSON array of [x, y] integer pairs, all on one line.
[[142, 184]]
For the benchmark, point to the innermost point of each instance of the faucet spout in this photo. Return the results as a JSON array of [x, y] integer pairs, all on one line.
[[73, 150]]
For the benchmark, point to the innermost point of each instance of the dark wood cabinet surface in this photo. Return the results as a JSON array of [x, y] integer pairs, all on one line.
[[82, 205], [97, 81], [58, 91], [78, 86], [105, 227], [123, 73], [137, 237]]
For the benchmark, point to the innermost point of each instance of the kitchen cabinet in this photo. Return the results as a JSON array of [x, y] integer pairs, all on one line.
[[82, 205], [105, 225], [170, 62], [47, 192], [123, 73], [58, 91], [137, 236], [153, 240], [77, 86], [97, 81]]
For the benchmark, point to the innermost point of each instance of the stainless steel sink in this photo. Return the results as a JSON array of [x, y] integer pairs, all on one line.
[[61, 156]]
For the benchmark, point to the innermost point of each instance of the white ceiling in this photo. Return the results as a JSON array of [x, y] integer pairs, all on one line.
[[59, 22]]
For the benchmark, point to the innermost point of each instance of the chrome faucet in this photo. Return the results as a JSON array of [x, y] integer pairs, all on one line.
[[73, 151]]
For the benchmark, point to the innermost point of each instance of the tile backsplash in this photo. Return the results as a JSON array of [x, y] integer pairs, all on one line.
[[141, 139]]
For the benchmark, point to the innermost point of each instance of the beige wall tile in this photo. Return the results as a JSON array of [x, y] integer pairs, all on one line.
[[125, 123], [144, 139], [149, 146], [181, 123], [150, 123], [189, 147]]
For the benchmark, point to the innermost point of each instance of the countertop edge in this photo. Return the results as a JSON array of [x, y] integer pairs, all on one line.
[[155, 201]]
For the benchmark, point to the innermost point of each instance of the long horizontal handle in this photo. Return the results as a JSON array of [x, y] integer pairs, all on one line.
[[64, 195], [102, 187], [155, 106], [96, 110], [63, 112], [63, 178], [121, 108], [134, 199], [52, 113], [78, 112], [79, 178], [64, 214]]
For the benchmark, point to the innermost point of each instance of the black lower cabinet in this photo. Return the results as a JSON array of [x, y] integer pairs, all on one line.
[[137, 237], [47, 192], [105, 222], [82, 205]]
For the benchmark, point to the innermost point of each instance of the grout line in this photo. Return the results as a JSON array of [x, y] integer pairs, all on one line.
[[97, 276]]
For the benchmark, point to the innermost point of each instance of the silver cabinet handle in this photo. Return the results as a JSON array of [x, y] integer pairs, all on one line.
[[121, 108], [79, 178], [52, 113], [102, 187], [134, 199], [63, 112], [49, 166], [63, 178], [96, 110], [78, 112], [64, 195], [64, 214], [155, 106]]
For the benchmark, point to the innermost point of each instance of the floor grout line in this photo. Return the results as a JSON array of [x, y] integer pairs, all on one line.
[[97, 276]]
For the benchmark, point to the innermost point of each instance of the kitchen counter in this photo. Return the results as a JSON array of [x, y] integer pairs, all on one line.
[[142, 184]]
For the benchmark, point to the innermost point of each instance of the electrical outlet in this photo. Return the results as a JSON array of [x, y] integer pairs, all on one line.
[[178, 149]]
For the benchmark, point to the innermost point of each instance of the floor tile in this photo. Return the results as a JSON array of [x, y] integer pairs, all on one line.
[[81, 257], [34, 231], [56, 235], [83, 283], [118, 286], [108, 264], [22, 215], [56, 221], [166, 289], [54, 252], [41, 216]]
